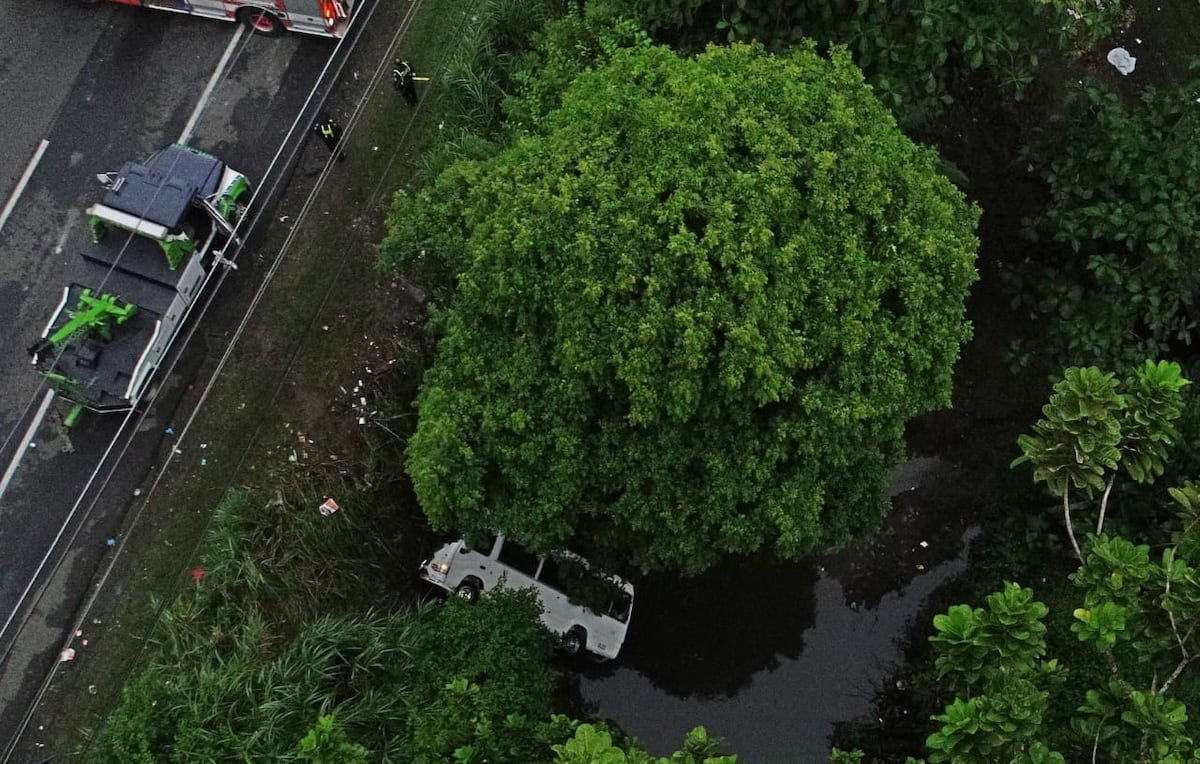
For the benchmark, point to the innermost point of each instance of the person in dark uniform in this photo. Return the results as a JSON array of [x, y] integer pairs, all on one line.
[[404, 81], [330, 132]]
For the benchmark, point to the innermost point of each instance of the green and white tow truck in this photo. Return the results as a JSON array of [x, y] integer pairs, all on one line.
[[157, 239]]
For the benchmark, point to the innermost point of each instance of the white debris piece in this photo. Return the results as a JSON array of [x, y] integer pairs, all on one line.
[[1120, 58]]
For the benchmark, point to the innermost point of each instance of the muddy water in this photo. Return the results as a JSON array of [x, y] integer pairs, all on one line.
[[769, 657]]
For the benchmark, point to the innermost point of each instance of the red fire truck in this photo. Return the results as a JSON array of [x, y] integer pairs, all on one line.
[[327, 18]]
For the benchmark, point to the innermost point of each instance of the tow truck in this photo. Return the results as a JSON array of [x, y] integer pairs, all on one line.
[[158, 236]]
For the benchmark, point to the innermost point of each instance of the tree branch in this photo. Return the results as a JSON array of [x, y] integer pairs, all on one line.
[[1170, 614], [1186, 659], [1067, 520], [1178, 670], [1104, 503]]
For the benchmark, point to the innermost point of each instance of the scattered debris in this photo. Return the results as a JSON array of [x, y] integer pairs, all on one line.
[[198, 573], [169, 431], [328, 507], [111, 542], [1120, 58], [92, 689], [66, 655], [137, 491], [924, 544]]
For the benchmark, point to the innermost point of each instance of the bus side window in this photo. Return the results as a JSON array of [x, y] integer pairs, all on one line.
[[515, 557], [549, 575], [482, 544]]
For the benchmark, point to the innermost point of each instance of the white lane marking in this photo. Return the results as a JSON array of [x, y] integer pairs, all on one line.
[[212, 84], [24, 181], [23, 443], [37, 574]]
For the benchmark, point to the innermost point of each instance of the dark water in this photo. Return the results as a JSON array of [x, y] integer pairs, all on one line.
[[767, 656]]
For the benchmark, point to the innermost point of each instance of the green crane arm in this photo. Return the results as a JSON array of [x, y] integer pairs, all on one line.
[[92, 314]]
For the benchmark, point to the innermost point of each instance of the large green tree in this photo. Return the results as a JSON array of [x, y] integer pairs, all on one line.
[[691, 314]]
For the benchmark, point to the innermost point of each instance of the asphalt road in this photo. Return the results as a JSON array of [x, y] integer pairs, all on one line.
[[99, 85]]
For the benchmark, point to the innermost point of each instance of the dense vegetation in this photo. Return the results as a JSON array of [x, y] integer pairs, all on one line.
[[691, 315], [264, 661], [1135, 612], [686, 299]]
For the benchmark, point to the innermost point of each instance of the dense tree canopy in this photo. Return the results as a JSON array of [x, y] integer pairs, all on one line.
[[691, 315]]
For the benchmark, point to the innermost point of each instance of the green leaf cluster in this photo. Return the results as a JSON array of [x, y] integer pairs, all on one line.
[[1088, 428], [1137, 613], [1075, 443], [692, 316], [1117, 268], [327, 743], [993, 657], [911, 52], [481, 682], [593, 744], [583, 39]]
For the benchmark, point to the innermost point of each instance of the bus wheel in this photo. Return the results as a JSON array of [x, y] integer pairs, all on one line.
[[574, 641], [468, 590], [261, 22]]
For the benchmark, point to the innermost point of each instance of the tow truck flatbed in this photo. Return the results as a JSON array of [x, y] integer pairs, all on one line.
[[157, 236]]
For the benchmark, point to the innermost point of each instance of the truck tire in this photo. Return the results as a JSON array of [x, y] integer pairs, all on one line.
[[468, 590], [574, 641], [261, 22]]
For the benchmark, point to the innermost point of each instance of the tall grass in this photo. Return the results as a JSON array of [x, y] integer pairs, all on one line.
[[251, 697], [480, 74], [289, 621]]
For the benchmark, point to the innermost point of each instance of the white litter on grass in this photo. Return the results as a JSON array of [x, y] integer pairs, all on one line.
[[1120, 58], [66, 655]]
